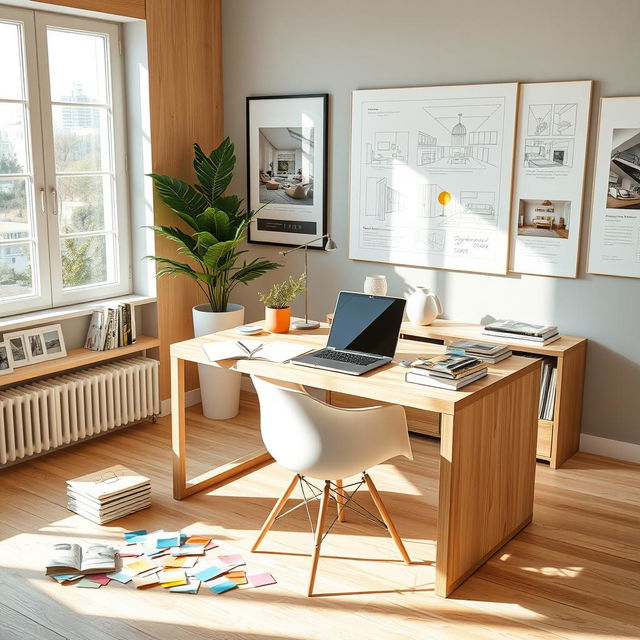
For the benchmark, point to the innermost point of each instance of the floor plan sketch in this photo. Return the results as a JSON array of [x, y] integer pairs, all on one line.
[[431, 176], [564, 119], [388, 148], [381, 199], [548, 153], [539, 119]]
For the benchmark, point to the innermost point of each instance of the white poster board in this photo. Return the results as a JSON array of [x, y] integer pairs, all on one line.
[[408, 146], [553, 127], [614, 242]]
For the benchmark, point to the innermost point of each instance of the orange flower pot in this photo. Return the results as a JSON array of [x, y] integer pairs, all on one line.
[[277, 320]]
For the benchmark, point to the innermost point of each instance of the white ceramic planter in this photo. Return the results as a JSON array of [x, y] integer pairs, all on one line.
[[219, 388]]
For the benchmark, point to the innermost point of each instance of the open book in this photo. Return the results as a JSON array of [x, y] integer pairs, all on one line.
[[66, 558], [277, 351]]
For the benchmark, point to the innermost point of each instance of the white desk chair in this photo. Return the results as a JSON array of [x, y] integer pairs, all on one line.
[[312, 438]]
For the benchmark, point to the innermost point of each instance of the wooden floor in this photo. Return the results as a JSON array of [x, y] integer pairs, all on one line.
[[573, 573]]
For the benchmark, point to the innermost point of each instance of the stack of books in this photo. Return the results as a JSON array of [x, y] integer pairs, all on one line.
[[447, 372], [547, 391], [108, 494], [485, 351], [522, 332], [111, 327]]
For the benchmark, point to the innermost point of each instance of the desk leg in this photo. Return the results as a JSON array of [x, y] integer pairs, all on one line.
[[487, 474], [178, 435]]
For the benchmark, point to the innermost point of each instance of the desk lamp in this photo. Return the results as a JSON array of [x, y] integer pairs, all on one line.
[[329, 246]]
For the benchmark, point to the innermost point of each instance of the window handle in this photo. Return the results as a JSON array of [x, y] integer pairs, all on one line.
[[54, 195], [43, 201]]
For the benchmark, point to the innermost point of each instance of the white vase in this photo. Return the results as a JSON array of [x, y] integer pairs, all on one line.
[[375, 285], [423, 307], [219, 388]]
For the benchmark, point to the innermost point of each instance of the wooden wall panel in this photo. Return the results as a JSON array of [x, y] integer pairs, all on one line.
[[129, 8], [185, 93]]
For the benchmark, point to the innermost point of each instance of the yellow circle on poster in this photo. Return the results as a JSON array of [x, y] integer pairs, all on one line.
[[444, 198]]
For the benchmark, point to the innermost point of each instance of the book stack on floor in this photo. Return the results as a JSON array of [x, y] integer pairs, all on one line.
[[447, 372], [108, 494], [548, 382], [111, 327], [522, 332], [485, 351]]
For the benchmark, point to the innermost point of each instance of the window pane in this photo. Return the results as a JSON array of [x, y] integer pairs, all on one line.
[[14, 212], [77, 66], [81, 138], [11, 86], [84, 260], [15, 270], [83, 202], [13, 138]]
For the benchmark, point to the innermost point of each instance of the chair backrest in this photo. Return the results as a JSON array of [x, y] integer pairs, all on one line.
[[310, 437]]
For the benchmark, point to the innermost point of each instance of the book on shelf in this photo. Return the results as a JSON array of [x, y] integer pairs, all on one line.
[[70, 558], [420, 376], [521, 328], [486, 351], [111, 326], [548, 384], [522, 339]]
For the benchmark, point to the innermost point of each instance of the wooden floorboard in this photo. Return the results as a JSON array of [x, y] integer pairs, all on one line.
[[573, 574]]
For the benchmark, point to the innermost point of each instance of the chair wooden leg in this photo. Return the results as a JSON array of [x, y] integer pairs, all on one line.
[[322, 515], [386, 517], [340, 500], [268, 523]]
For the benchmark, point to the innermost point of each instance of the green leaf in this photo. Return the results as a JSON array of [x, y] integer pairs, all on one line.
[[205, 239], [253, 270], [217, 251], [215, 170], [215, 222], [229, 204], [180, 196]]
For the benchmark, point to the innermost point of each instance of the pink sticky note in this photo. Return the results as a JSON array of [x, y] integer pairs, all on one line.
[[233, 558], [100, 578], [212, 545], [261, 579]]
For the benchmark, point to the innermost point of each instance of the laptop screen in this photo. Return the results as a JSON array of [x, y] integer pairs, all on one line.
[[366, 323]]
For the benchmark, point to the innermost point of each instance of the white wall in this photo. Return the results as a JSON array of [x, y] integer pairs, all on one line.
[[341, 46]]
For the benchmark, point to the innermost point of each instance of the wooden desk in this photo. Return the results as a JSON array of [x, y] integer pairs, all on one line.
[[487, 447]]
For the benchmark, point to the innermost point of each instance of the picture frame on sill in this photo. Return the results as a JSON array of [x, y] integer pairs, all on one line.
[[53, 342], [6, 359], [19, 350], [287, 168], [35, 345]]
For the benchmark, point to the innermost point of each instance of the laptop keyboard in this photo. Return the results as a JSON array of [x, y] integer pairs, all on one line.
[[341, 356]]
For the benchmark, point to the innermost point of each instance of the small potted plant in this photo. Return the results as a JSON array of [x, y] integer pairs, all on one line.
[[277, 312]]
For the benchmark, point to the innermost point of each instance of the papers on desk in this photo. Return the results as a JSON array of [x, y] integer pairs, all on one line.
[[278, 351]]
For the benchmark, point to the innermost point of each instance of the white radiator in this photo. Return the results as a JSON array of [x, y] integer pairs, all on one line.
[[41, 416]]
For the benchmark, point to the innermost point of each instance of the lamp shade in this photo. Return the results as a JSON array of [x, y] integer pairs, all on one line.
[[331, 245]]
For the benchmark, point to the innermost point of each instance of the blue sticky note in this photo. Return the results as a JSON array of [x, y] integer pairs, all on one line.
[[123, 576], [222, 585], [209, 573], [165, 543], [135, 536]]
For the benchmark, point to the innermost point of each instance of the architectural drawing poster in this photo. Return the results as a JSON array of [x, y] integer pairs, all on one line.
[[553, 126], [614, 243], [431, 172]]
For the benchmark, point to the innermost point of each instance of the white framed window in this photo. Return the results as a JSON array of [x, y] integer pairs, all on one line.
[[64, 223]]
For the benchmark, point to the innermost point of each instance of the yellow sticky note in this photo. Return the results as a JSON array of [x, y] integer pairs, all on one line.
[[175, 583], [203, 540], [139, 565], [170, 561]]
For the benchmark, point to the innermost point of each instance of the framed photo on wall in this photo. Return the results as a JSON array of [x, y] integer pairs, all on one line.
[[287, 168], [614, 241], [551, 151]]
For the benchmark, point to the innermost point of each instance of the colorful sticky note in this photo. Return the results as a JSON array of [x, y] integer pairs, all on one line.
[[211, 545], [130, 551], [140, 565], [171, 562], [123, 576], [100, 578], [261, 579], [151, 572], [168, 539], [67, 577], [209, 572], [135, 536], [192, 586], [220, 585], [233, 558], [187, 550], [239, 577], [203, 540], [145, 582], [85, 583], [172, 578]]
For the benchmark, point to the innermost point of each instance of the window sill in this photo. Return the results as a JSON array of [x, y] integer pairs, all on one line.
[[17, 322]]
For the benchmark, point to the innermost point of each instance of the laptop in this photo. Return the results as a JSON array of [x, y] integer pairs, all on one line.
[[364, 334]]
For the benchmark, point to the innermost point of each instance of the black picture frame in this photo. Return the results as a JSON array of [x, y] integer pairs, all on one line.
[[295, 228]]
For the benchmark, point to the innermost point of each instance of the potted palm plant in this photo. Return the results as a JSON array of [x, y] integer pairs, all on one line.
[[212, 230], [277, 300]]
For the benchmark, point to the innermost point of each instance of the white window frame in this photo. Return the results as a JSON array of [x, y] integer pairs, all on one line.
[[48, 274]]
